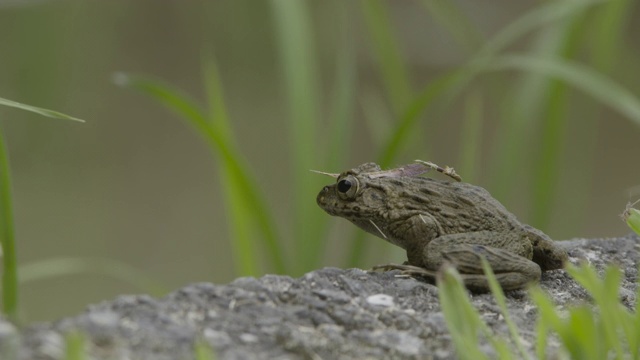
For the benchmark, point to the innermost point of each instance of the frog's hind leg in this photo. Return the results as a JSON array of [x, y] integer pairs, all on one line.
[[508, 258], [512, 271]]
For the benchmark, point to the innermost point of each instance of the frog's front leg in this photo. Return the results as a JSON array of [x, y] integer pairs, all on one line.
[[507, 253]]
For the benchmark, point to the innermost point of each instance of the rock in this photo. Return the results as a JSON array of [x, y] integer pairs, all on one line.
[[328, 313]]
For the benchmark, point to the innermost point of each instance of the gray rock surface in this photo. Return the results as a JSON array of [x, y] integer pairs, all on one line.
[[326, 314]]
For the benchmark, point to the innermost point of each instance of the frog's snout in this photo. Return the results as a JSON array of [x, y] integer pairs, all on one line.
[[321, 198], [324, 198]]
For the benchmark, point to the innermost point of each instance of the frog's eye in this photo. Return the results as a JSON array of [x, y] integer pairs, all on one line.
[[344, 185], [348, 187]]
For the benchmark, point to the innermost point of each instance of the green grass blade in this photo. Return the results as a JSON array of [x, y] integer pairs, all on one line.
[[190, 112], [541, 340], [37, 110], [75, 348], [550, 318], [246, 256], [546, 166], [7, 238], [237, 208], [172, 98], [218, 113], [392, 65], [582, 77], [7, 233], [605, 294], [584, 335], [634, 320], [461, 317], [294, 34], [546, 308], [60, 267], [608, 34], [498, 294], [203, 351]]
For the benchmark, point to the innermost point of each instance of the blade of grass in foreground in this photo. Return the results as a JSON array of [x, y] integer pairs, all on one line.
[[7, 234], [190, 112], [587, 333], [75, 348], [202, 351], [498, 294], [463, 321], [605, 293], [541, 340]]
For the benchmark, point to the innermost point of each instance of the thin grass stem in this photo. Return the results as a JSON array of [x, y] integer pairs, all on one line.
[[295, 36], [7, 238]]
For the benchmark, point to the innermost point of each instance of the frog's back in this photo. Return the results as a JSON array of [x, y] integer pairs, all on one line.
[[458, 207]]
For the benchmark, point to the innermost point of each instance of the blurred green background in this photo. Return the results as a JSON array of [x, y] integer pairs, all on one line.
[[318, 85]]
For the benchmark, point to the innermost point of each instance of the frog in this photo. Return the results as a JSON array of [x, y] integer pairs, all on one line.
[[441, 223]]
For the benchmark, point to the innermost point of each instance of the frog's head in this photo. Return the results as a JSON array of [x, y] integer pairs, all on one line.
[[355, 197], [350, 197]]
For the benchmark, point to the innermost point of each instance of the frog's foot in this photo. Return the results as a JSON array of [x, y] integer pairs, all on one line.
[[449, 171], [407, 270]]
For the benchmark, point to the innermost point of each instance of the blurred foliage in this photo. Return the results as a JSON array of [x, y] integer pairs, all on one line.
[[547, 70]]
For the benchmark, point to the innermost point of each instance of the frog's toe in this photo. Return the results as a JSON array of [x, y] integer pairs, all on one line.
[[388, 267], [406, 270]]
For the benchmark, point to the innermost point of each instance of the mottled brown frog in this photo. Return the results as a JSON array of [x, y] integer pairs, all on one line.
[[438, 221]]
